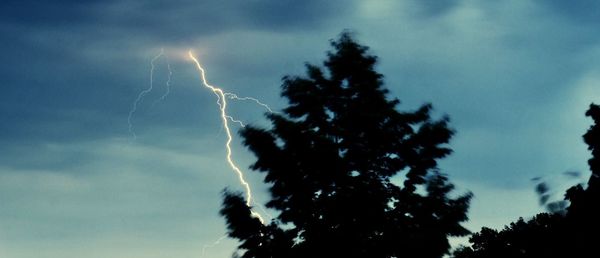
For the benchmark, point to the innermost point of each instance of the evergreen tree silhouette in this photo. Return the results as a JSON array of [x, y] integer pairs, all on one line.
[[574, 234], [331, 160]]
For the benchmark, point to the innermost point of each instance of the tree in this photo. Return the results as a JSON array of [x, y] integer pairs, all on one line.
[[575, 233], [331, 160], [583, 215], [533, 238]]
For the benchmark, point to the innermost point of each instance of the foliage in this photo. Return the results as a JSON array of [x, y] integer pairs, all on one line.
[[574, 234], [331, 160]]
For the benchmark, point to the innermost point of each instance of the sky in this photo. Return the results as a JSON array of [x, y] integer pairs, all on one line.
[[515, 77]]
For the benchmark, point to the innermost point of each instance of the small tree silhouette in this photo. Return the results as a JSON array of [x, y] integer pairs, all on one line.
[[331, 160]]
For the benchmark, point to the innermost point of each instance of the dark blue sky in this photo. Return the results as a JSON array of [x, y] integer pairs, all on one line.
[[514, 76]]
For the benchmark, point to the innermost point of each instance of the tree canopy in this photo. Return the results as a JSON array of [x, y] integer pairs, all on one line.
[[573, 233], [348, 173]]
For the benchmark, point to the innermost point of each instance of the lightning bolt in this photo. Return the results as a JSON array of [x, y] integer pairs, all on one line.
[[236, 121], [140, 96], [168, 83], [217, 242], [235, 97], [225, 118], [222, 97]]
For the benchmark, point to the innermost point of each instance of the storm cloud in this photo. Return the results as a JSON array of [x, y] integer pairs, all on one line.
[[515, 77]]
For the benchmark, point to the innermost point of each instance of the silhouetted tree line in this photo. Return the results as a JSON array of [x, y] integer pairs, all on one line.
[[572, 233], [352, 176]]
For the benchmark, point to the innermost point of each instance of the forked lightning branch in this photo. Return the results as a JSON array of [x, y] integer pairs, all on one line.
[[226, 118]]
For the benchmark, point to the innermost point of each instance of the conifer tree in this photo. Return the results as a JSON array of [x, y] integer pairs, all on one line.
[[349, 174]]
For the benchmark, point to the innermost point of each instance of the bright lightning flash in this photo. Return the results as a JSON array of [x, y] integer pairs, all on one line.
[[222, 102]]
